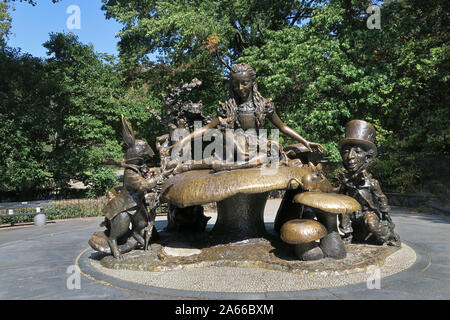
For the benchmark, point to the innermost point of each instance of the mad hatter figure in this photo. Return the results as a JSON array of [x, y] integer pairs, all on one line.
[[372, 224]]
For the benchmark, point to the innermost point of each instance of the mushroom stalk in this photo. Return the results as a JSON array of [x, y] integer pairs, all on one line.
[[327, 206], [328, 220], [332, 244], [241, 217], [308, 251], [288, 210]]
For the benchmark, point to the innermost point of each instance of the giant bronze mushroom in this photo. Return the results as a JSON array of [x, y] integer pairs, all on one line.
[[240, 194], [327, 206]]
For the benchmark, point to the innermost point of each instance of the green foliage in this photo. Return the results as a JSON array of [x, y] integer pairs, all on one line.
[[187, 35], [61, 117], [101, 181], [86, 113], [398, 172], [317, 60], [5, 22], [334, 69], [183, 30], [25, 124], [83, 107]]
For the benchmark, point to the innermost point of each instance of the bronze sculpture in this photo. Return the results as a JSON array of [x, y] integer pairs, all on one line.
[[310, 207], [303, 234], [244, 109], [325, 208], [182, 115], [372, 223], [128, 205], [179, 112], [241, 196]]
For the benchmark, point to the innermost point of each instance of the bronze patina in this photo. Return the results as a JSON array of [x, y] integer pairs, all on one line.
[[240, 194], [372, 223], [326, 207], [180, 115], [245, 109], [307, 219], [128, 203], [303, 234]]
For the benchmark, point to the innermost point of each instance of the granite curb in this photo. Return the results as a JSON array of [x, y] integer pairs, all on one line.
[[423, 261]]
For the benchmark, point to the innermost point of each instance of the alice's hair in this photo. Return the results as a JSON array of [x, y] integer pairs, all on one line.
[[230, 108]]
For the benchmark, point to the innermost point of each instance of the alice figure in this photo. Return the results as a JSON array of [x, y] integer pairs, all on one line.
[[246, 109]]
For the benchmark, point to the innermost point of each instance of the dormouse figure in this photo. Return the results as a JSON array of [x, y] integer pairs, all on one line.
[[372, 224]]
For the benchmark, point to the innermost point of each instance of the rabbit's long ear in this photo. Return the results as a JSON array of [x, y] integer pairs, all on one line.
[[127, 132]]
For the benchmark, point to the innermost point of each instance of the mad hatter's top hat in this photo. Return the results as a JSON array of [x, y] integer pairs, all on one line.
[[361, 133]]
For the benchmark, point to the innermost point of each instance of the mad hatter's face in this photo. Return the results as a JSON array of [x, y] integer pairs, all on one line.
[[355, 158]]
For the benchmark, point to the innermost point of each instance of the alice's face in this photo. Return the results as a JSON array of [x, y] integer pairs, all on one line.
[[354, 158], [242, 85]]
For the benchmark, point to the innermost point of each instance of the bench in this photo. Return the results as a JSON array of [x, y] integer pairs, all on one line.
[[39, 216]]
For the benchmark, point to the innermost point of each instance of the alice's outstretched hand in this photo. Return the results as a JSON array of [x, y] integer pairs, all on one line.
[[316, 146]]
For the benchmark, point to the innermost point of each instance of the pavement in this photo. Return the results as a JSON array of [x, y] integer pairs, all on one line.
[[37, 263]]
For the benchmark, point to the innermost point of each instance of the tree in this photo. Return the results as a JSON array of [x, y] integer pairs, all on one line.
[[86, 110], [180, 29], [334, 69], [193, 37], [316, 59], [311, 77], [26, 125], [61, 117], [189, 33], [5, 22]]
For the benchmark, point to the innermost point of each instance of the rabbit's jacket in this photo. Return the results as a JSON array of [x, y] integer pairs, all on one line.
[[132, 194]]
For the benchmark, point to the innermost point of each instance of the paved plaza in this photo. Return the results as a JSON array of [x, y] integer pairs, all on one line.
[[35, 262]]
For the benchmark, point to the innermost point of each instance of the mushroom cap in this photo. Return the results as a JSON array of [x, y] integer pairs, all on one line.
[[299, 231], [197, 187], [329, 202]]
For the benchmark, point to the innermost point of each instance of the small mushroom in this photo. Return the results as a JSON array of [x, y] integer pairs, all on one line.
[[327, 207], [303, 233], [328, 202]]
